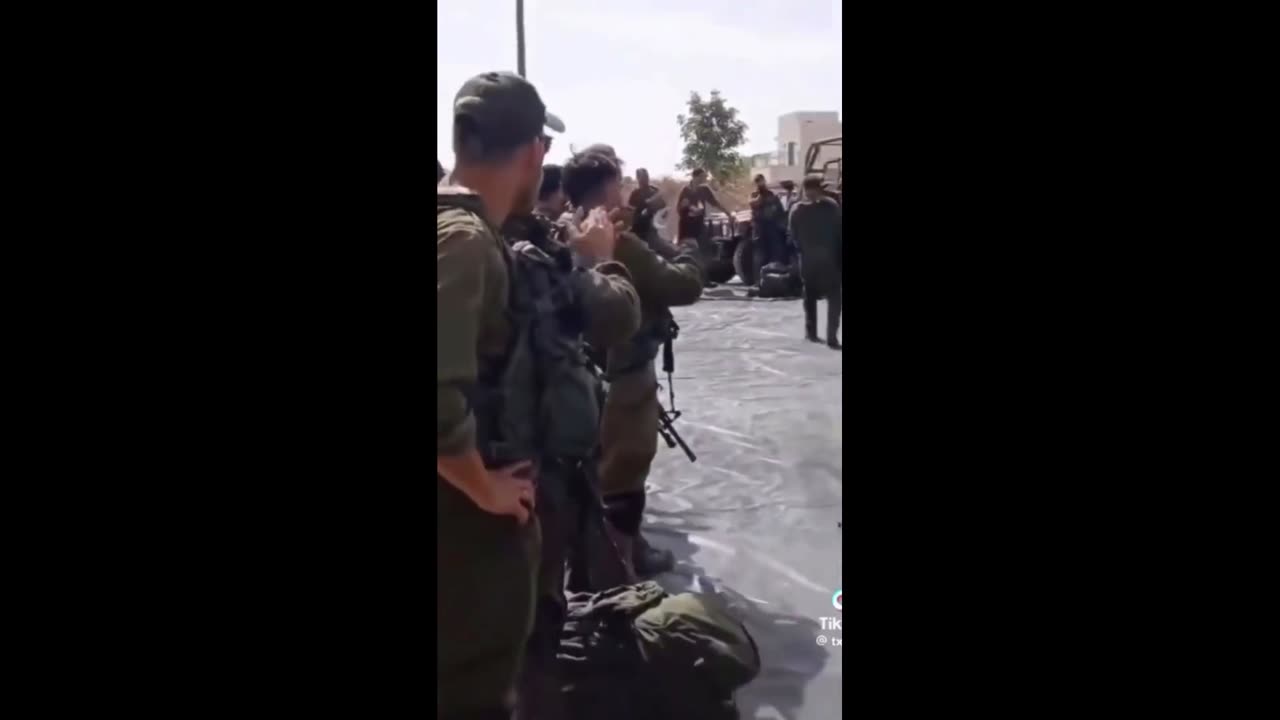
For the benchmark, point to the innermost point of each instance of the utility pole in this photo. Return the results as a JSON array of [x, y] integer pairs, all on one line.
[[520, 37]]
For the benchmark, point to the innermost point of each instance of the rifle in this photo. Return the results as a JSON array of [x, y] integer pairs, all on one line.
[[666, 420], [669, 432]]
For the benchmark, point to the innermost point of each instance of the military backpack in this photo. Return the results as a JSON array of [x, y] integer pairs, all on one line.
[[636, 652]]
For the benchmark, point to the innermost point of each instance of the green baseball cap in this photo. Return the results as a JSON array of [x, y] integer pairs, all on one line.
[[505, 108]]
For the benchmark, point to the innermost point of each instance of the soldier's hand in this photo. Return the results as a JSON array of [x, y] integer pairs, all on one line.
[[511, 492], [621, 218], [598, 237]]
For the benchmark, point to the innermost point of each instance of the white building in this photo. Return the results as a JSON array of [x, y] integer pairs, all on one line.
[[796, 131]]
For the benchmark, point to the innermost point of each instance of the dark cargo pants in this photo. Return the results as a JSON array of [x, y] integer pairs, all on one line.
[[486, 569], [769, 247], [835, 300]]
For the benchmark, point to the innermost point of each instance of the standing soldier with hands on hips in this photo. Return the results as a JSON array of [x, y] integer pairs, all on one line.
[[488, 542]]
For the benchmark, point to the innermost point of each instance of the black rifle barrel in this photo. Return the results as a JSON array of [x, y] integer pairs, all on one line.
[[672, 436]]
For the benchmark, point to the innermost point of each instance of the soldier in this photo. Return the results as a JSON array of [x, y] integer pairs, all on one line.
[[629, 428], [573, 303], [788, 196], [767, 221], [815, 227], [551, 199], [487, 547], [645, 201], [626, 216], [692, 207]]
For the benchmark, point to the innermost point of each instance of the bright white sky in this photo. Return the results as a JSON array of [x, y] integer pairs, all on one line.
[[619, 72]]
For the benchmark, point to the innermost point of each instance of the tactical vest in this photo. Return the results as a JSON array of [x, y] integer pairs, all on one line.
[[542, 399]]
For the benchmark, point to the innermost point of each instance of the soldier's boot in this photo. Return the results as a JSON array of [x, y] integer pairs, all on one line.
[[649, 561], [811, 329]]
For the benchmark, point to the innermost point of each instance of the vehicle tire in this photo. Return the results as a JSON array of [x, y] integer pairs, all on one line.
[[718, 264], [744, 261], [719, 271]]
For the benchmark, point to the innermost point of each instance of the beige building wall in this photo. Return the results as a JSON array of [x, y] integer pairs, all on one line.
[[796, 131]]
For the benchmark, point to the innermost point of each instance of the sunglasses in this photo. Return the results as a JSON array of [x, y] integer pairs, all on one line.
[[546, 143]]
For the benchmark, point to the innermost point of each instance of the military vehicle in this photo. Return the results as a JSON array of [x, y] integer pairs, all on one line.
[[832, 171]]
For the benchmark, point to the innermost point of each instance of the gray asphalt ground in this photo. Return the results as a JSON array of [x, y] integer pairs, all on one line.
[[754, 520]]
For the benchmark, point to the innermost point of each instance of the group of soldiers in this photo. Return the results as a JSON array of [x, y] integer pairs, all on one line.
[[812, 228], [544, 292], [549, 285]]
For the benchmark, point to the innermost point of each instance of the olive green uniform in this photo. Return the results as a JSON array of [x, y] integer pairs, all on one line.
[[486, 564], [629, 428], [816, 229]]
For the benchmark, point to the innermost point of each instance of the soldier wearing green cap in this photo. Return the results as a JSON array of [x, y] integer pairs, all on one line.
[[488, 538]]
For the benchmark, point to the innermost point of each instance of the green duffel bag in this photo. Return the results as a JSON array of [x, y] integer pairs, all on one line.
[[691, 636], [637, 652]]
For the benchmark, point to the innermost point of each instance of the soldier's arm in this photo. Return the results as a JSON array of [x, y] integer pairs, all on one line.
[[610, 304], [714, 201], [460, 285], [658, 281]]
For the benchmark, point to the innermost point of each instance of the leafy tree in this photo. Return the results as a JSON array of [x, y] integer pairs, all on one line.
[[712, 134]]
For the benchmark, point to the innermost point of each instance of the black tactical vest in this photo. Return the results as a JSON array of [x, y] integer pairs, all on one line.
[[542, 399]]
